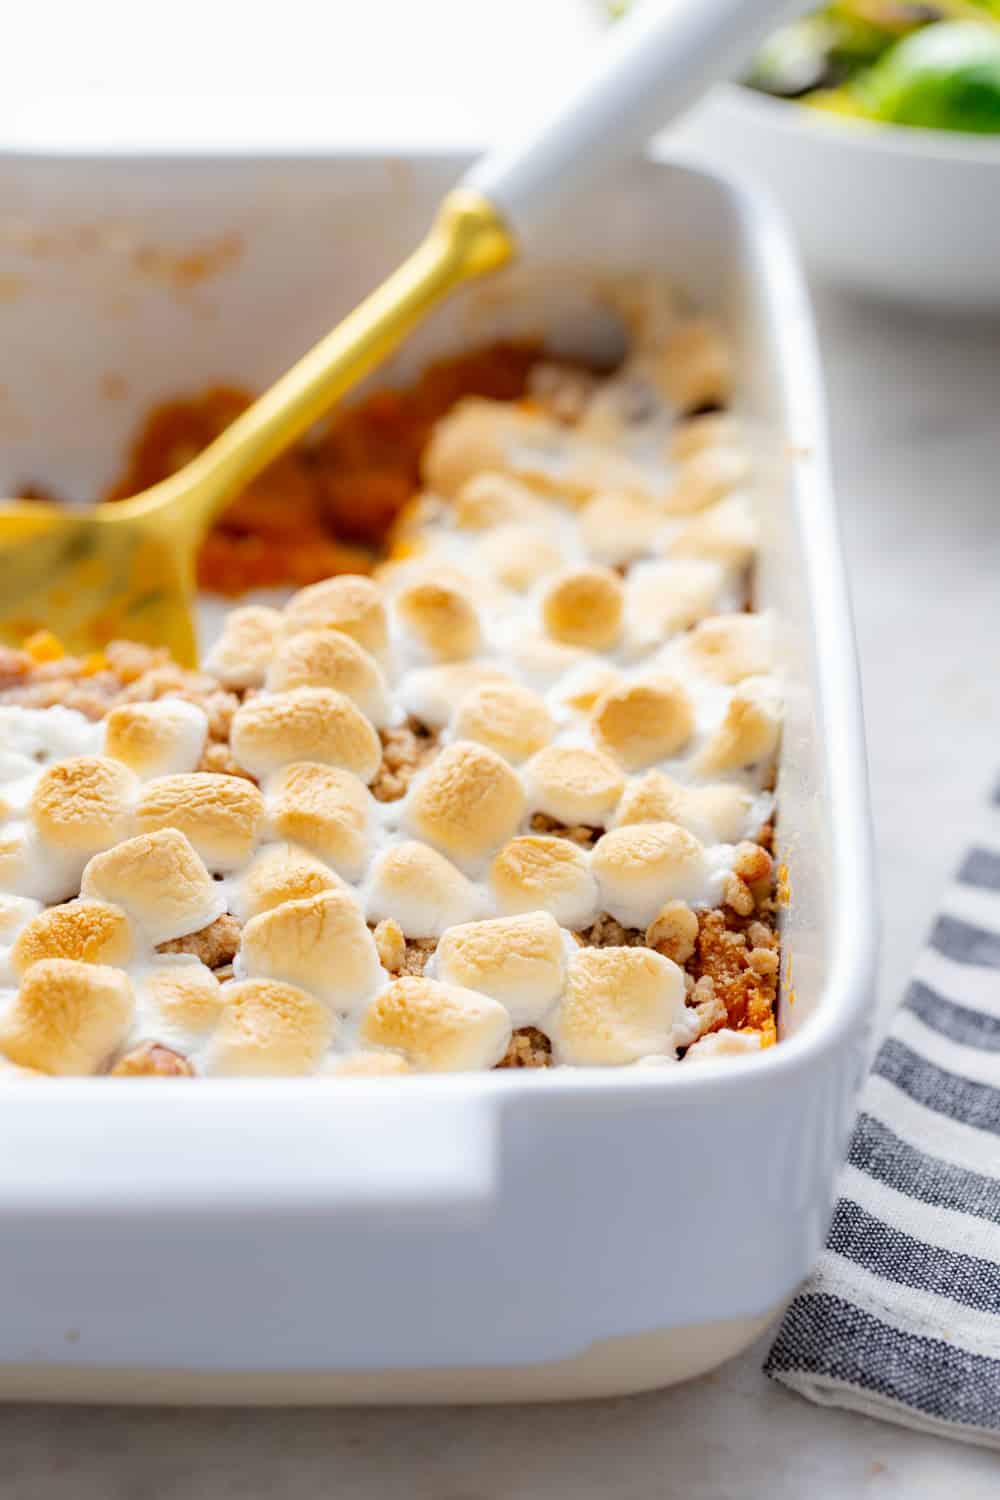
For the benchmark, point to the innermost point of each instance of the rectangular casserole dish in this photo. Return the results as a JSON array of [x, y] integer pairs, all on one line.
[[455, 1238]]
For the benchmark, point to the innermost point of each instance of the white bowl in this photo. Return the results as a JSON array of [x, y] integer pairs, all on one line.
[[885, 209]]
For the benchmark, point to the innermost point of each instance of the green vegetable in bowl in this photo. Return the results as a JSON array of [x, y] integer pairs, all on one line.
[[943, 78]]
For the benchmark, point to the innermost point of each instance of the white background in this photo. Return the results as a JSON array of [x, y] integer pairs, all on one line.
[[917, 453]]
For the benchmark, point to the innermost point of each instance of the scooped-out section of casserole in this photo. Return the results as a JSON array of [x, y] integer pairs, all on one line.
[[507, 803]]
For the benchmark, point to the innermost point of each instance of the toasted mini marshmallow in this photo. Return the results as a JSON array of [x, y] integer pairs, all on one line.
[[321, 943], [509, 718], [475, 437], [584, 684], [716, 814], [704, 479], [83, 804], [642, 722], [725, 533], [331, 659], [724, 1043], [618, 528], [159, 882], [642, 866], [439, 1028], [163, 738], [222, 816], [728, 648], [183, 996], [694, 368], [441, 618], [304, 724], [242, 654], [573, 785], [539, 873], [662, 598], [519, 961], [466, 803], [349, 603], [751, 729], [432, 694], [421, 890], [268, 1028], [15, 914], [279, 873], [327, 810], [67, 1016], [620, 1004], [487, 501], [369, 1065], [583, 607], [715, 429], [518, 556], [11, 1073], [89, 931]]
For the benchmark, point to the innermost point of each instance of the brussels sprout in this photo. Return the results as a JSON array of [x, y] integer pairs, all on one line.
[[945, 77]]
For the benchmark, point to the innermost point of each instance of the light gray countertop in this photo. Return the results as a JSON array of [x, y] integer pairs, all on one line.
[[917, 455]]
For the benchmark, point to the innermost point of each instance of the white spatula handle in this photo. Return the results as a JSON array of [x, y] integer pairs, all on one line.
[[656, 64]]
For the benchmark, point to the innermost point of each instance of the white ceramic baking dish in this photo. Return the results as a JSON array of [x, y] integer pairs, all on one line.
[[500, 1237]]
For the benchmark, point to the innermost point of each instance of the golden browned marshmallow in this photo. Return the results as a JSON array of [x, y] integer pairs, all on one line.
[[304, 724], [539, 873], [618, 528], [509, 718], [422, 891], [321, 943], [156, 739], [574, 785], [714, 814], [724, 1043], [518, 556], [390, 944], [269, 1028], [439, 1028], [694, 368], [431, 694], [222, 816], [331, 659], [725, 533], [519, 961], [704, 479], [327, 810], [714, 429], [664, 597], [751, 729], [487, 501], [159, 882], [349, 603], [620, 1004], [475, 438], [641, 722], [279, 873], [183, 996], [152, 1060], [83, 804], [441, 617], [584, 684], [88, 931], [369, 1065], [466, 803], [67, 1016], [644, 865], [242, 654], [583, 607], [728, 648]]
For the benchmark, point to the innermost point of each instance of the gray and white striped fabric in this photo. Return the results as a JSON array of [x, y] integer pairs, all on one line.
[[901, 1317]]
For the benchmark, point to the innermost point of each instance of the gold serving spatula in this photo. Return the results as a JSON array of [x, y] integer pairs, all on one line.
[[127, 569]]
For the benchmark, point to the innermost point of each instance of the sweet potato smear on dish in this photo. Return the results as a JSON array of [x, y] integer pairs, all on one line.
[[325, 507]]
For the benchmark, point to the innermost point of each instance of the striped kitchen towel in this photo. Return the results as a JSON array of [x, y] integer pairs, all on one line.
[[901, 1317]]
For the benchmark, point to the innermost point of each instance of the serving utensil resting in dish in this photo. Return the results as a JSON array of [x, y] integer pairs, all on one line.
[[127, 569]]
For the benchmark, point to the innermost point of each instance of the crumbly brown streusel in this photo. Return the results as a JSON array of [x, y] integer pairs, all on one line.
[[577, 833], [607, 933], [152, 1060], [528, 1048], [404, 751], [216, 945]]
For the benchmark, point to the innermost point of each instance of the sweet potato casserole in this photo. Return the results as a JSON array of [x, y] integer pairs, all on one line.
[[507, 803]]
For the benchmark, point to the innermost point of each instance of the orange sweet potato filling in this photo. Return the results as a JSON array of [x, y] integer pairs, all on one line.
[[327, 505]]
